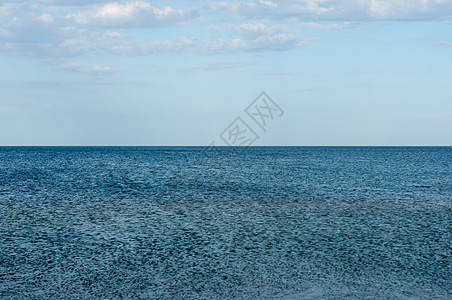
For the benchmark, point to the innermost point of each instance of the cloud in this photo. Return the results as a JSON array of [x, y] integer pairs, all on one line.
[[46, 31], [344, 10], [113, 34], [258, 28], [131, 14], [218, 66], [45, 18], [279, 73], [241, 7], [10, 109], [318, 26], [281, 41], [67, 29], [85, 68], [448, 44], [256, 36]]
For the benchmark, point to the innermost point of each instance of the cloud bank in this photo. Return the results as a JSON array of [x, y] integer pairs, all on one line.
[[63, 29], [345, 10]]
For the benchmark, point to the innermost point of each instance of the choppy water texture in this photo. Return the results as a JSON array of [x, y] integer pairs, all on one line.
[[265, 223]]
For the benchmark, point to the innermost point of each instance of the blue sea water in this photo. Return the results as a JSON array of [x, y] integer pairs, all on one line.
[[225, 223]]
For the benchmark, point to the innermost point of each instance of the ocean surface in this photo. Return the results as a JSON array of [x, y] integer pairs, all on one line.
[[225, 223]]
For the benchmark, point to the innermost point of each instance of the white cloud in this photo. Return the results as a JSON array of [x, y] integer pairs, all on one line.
[[344, 10], [133, 13], [241, 7], [264, 43], [85, 68], [46, 18], [114, 34], [258, 28], [255, 36], [319, 26], [45, 31], [57, 28], [218, 66]]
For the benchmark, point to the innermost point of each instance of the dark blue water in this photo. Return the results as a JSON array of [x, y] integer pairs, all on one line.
[[264, 223]]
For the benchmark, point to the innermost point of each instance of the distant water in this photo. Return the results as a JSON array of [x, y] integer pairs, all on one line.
[[264, 223]]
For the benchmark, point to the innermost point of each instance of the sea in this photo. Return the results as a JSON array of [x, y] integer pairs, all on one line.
[[225, 223]]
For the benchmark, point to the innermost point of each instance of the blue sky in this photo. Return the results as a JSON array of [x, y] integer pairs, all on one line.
[[345, 72]]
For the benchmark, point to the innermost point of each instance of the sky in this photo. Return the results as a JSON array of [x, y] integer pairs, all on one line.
[[149, 73]]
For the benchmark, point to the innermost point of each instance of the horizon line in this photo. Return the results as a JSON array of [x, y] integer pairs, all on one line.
[[223, 146]]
